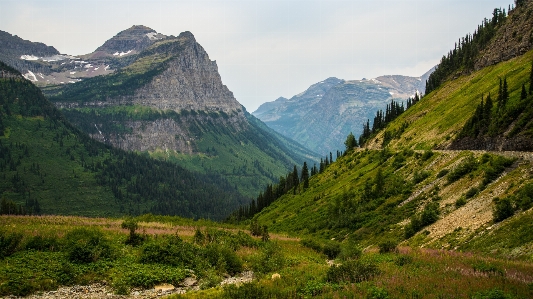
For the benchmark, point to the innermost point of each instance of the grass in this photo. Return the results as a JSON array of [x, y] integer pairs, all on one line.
[[440, 116]]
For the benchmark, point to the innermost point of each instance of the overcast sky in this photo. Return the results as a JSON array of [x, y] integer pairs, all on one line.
[[268, 49]]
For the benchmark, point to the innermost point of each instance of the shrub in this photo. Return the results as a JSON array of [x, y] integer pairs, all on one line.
[[419, 176], [170, 250], [270, 259], [403, 260], [332, 249], [223, 259], [442, 173], [377, 293], [388, 246], [503, 209], [460, 202], [132, 225], [350, 251], [351, 271], [310, 243], [9, 243], [471, 192], [41, 243], [467, 166], [492, 294], [87, 245]]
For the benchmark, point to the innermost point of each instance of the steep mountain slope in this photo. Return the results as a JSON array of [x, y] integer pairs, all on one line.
[[170, 101], [322, 116], [50, 167], [414, 189]]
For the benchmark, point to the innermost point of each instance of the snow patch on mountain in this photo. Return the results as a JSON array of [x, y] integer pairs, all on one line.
[[30, 76]]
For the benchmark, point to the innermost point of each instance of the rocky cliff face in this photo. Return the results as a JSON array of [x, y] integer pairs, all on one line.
[[322, 116], [514, 39], [190, 82]]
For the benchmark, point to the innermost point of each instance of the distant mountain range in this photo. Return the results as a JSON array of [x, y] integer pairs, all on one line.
[[322, 116]]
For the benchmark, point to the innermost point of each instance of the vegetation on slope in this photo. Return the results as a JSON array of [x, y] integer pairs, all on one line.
[[74, 250], [50, 167]]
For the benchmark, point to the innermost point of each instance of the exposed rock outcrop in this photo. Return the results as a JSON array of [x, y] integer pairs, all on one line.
[[515, 38]]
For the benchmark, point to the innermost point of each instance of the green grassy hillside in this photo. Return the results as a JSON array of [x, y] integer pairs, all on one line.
[[411, 192], [440, 116]]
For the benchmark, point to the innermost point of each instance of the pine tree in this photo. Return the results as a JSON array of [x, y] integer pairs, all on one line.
[[295, 179], [523, 95], [350, 142], [305, 176], [531, 80]]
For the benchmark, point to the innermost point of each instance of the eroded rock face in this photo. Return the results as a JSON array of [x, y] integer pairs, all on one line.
[[191, 82], [515, 38]]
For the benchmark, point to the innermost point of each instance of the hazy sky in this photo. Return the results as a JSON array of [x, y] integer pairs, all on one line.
[[267, 49]]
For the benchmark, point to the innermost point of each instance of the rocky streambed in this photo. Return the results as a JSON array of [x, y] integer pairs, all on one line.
[[102, 290]]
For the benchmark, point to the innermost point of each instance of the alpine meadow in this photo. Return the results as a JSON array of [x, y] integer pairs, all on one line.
[[134, 172]]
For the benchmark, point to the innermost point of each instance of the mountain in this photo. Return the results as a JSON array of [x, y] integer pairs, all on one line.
[[170, 101], [50, 167], [321, 117], [46, 67], [451, 172]]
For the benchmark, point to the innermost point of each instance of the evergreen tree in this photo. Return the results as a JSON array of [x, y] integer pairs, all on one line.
[[531, 80], [350, 142], [523, 95], [295, 179], [305, 176], [505, 93]]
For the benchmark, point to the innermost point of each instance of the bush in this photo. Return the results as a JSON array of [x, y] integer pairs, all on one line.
[[377, 293], [270, 259], [332, 249], [310, 243], [388, 246], [403, 260], [442, 173], [170, 250], [145, 276], [41, 243], [9, 243], [460, 202], [87, 245], [467, 166], [420, 176], [471, 192], [492, 294], [351, 271], [503, 209], [350, 251], [223, 259]]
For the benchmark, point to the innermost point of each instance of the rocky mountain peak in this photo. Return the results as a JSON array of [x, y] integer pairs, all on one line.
[[132, 40]]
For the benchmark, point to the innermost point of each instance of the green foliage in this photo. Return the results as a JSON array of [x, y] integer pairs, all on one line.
[[492, 294], [429, 215], [331, 249], [377, 293], [350, 251], [388, 246], [9, 243], [271, 258], [170, 250], [87, 245], [350, 142], [465, 52], [311, 243], [442, 173], [468, 165], [133, 275], [419, 176], [487, 268], [42, 243], [352, 271], [132, 225], [503, 209]]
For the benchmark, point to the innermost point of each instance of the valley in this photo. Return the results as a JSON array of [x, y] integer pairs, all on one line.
[[150, 179]]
